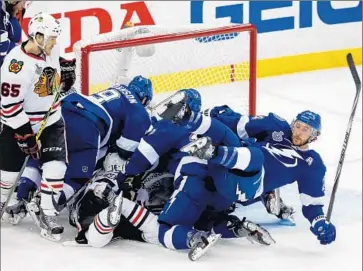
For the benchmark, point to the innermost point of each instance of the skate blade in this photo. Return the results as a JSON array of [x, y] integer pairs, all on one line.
[[288, 222], [196, 253], [51, 237], [14, 220]]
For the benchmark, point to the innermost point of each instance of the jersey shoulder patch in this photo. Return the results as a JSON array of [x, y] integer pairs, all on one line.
[[16, 66]]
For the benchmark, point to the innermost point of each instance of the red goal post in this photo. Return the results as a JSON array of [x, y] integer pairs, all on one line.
[[189, 56]]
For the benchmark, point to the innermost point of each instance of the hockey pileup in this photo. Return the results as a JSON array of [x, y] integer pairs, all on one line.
[[169, 174]]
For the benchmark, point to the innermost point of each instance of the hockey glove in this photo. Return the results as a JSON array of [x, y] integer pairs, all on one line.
[[218, 111], [142, 196], [27, 142], [324, 230], [68, 72]]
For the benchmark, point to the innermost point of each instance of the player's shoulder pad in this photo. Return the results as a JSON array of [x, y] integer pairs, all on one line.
[[276, 117], [279, 120]]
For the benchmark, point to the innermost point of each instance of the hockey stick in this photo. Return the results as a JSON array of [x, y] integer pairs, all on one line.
[[37, 136], [358, 86]]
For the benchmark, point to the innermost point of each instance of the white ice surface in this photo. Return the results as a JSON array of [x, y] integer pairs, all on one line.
[[329, 93]]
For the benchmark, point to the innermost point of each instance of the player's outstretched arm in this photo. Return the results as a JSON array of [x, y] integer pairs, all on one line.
[[311, 188]]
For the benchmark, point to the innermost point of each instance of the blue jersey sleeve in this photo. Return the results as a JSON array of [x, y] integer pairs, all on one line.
[[14, 30], [311, 188], [135, 125], [152, 146], [219, 133], [261, 127]]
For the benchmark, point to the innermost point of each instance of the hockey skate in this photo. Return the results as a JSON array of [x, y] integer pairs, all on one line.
[[48, 225], [16, 212], [253, 232], [200, 242], [105, 192], [276, 206], [114, 210]]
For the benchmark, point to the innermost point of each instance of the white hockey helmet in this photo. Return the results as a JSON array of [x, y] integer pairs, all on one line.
[[45, 24]]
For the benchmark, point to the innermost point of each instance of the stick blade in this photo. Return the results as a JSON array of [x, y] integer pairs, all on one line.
[[353, 70]]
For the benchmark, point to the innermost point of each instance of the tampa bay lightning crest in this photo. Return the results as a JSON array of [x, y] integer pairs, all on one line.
[[285, 154]]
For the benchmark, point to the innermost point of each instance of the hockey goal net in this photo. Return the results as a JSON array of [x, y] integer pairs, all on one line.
[[218, 61]]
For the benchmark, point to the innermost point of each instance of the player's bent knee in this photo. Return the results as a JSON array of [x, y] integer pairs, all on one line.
[[33, 174], [54, 170], [174, 211], [150, 230], [7, 178], [97, 239]]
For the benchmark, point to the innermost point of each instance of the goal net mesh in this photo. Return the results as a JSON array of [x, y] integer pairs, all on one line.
[[174, 58]]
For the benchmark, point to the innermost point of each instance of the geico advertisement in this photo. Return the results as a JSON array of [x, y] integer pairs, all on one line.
[[273, 19]]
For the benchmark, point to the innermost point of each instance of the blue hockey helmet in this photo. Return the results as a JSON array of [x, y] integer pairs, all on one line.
[[313, 120], [142, 87], [194, 100]]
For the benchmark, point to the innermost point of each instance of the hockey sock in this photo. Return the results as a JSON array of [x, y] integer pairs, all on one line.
[[174, 237], [99, 232], [7, 179], [142, 219], [51, 185]]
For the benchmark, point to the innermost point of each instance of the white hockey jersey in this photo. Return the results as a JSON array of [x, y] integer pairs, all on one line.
[[25, 94]]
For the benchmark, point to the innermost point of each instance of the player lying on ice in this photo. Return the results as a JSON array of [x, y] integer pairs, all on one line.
[[287, 158], [101, 216], [161, 147], [113, 118], [246, 222]]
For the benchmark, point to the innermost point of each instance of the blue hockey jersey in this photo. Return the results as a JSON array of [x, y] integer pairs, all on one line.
[[10, 32], [282, 164], [92, 110], [167, 138], [285, 164], [217, 130], [130, 118], [259, 127]]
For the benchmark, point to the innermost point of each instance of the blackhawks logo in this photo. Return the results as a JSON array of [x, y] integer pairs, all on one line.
[[48, 82], [15, 66]]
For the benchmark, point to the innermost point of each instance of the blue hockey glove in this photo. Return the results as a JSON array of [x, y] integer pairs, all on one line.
[[218, 111], [324, 230]]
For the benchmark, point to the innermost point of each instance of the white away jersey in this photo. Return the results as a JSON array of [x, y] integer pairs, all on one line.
[[25, 94]]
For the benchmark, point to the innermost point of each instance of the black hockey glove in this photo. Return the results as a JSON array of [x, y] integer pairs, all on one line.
[[27, 142], [68, 72]]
